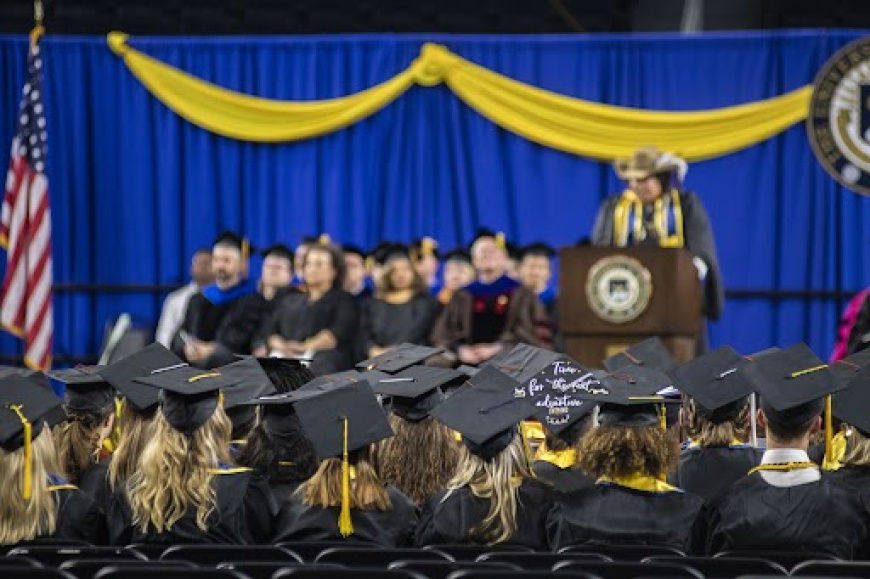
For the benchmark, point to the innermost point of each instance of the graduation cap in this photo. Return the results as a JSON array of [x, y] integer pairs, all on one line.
[[537, 250], [286, 374], [278, 250], [849, 367], [16, 370], [236, 241], [338, 421], [457, 254], [189, 396], [25, 405], [251, 382], [633, 396], [123, 373], [424, 247], [852, 405], [486, 411], [650, 352], [486, 233], [792, 384], [523, 361], [350, 249], [86, 390], [557, 391], [715, 383], [398, 358], [415, 391]]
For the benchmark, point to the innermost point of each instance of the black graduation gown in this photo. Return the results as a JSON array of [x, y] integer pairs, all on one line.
[[94, 482], [394, 528], [232, 325], [295, 318], [562, 479], [614, 514], [818, 516], [384, 324], [78, 517], [449, 521], [854, 478], [243, 515], [707, 472]]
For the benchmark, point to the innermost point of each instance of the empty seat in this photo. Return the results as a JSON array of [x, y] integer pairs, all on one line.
[[832, 569], [788, 559], [472, 552], [72, 544], [87, 568], [723, 567], [18, 562], [541, 561], [308, 572], [479, 574], [309, 550], [152, 551], [441, 569], [265, 569], [627, 570], [53, 556], [158, 572], [211, 555], [36, 573], [624, 552], [377, 558]]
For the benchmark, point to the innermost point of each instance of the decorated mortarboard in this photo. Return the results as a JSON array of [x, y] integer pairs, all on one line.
[[26, 405], [486, 411], [538, 250], [558, 390], [398, 358], [123, 373], [792, 384], [651, 353], [458, 254], [415, 391], [278, 250], [715, 383], [86, 390], [523, 361]]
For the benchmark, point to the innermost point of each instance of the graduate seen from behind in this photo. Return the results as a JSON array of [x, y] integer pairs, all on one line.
[[852, 406], [36, 501], [222, 318], [785, 503]]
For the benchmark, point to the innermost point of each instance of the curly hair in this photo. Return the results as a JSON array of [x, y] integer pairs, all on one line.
[[336, 256], [174, 473], [135, 428], [618, 451], [78, 440], [418, 475], [367, 491], [709, 434], [384, 282]]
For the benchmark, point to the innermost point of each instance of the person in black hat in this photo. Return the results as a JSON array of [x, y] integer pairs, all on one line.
[[458, 273], [356, 276], [402, 310], [251, 381], [630, 453], [36, 501], [184, 489], [492, 314], [535, 270], [276, 276], [413, 394], [222, 318], [345, 498], [493, 497], [90, 417], [852, 407], [320, 323], [785, 503]]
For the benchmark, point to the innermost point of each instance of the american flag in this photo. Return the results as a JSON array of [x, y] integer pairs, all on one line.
[[25, 227]]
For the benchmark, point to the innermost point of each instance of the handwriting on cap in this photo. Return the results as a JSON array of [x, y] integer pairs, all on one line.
[[554, 387]]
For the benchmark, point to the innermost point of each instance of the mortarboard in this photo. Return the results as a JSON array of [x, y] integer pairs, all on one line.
[[86, 390], [458, 254], [849, 367], [398, 358], [557, 393], [650, 352], [537, 249], [715, 383], [424, 247], [486, 233], [852, 405], [236, 241], [415, 391], [122, 374], [523, 361], [350, 249], [278, 250]]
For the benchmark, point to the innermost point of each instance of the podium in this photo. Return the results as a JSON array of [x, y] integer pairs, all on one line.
[[613, 297]]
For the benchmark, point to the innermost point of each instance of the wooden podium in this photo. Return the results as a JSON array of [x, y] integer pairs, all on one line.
[[613, 297]]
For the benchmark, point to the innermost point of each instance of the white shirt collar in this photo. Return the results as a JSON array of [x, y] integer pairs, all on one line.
[[791, 478]]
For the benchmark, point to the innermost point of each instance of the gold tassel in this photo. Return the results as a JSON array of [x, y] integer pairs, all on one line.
[[246, 249], [27, 477], [527, 449], [829, 431], [500, 240], [663, 417], [345, 523], [324, 239]]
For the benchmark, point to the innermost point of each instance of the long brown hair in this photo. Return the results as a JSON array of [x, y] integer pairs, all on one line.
[[709, 434], [419, 475], [384, 283], [78, 440], [367, 491], [619, 451]]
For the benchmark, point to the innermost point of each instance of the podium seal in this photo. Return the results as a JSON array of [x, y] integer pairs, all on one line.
[[618, 288]]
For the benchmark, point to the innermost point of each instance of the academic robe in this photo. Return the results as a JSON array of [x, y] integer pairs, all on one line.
[[78, 516], [385, 324], [243, 515], [698, 238], [229, 318], [503, 311], [297, 318], [854, 478], [614, 514], [394, 528], [448, 521], [94, 482], [562, 479], [707, 472], [818, 516]]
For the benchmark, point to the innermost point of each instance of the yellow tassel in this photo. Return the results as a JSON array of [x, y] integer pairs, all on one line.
[[427, 246], [27, 477], [829, 431], [221, 398], [500, 240], [345, 523], [663, 417], [246, 249], [324, 239], [834, 460], [527, 449]]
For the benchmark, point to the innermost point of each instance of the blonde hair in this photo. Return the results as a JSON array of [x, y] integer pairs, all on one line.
[[858, 450], [78, 440], [25, 520], [498, 480], [174, 473], [135, 428], [367, 492], [618, 451], [418, 475], [708, 434]]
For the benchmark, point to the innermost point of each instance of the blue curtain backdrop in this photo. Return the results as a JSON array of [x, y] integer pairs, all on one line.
[[135, 189]]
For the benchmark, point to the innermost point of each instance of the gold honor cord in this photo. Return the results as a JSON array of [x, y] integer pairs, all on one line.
[[569, 124]]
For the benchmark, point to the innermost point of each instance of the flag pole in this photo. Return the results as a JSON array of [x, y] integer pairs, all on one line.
[[38, 18]]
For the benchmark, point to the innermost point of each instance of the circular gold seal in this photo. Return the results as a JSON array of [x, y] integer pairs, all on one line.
[[839, 121], [618, 288]]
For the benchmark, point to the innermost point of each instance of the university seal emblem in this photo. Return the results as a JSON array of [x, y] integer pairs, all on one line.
[[618, 288]]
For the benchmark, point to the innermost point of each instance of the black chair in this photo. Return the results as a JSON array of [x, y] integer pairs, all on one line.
[[18, 562], [472, 552], [152, 572], [724, 567], [624, 552], [541, 561], [53, 556], [626, 570], [87, 568], [441, 569], [788, 559], [311, 573], [151, 550], [475, 574], [36, 573], [265, 569], [71, 543], [832, 569], [211, 555], [377, 558], [309, 550]]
